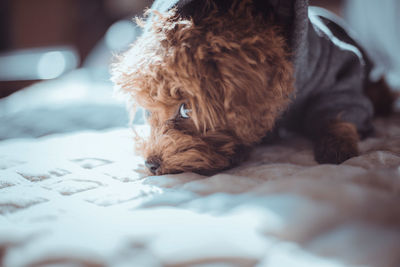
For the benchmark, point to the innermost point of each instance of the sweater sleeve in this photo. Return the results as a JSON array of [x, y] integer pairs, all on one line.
[[333, 89]]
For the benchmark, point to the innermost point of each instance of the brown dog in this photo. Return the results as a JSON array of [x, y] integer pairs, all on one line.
[[217, 76]]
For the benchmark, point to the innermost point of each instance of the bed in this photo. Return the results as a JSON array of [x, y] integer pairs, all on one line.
[[79, 196]]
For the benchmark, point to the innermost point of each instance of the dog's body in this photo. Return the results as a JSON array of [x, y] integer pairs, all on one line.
[[218, 76]]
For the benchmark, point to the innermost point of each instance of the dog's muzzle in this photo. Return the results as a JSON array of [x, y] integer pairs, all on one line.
[[153, 164]]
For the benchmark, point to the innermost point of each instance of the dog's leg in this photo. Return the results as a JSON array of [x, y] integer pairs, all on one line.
[[337, 113], [336, 142]]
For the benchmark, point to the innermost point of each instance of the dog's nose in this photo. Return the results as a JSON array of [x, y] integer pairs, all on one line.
[[153, 165]]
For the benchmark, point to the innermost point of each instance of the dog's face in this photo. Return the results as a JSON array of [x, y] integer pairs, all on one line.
[[211, 88]]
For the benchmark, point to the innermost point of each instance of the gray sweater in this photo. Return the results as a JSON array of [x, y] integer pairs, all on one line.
[[330, 68]]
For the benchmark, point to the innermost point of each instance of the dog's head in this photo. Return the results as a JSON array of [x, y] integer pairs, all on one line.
[[212, 87]]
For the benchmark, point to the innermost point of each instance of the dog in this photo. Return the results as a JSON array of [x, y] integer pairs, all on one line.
[[218, 77]]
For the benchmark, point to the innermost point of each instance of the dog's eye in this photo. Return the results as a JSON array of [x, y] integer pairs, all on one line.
[[147, 114], [184, 112]]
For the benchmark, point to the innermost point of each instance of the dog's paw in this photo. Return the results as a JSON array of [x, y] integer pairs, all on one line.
[[338, 143]]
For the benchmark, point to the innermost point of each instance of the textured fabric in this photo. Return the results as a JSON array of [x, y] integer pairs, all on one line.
[[82, 199], [329, 70]]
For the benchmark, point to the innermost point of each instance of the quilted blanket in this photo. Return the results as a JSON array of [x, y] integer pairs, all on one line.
[[83, 199]]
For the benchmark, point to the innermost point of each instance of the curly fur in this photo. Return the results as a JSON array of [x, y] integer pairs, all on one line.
[[337, 143], [231, 69]]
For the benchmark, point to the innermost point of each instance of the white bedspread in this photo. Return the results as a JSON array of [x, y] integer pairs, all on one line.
[[83, 200]]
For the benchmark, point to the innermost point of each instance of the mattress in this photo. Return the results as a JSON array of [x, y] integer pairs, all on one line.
[[84, 199]]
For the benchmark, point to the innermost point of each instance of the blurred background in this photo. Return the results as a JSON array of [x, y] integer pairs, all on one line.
[[71, 26], [55, 55]]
